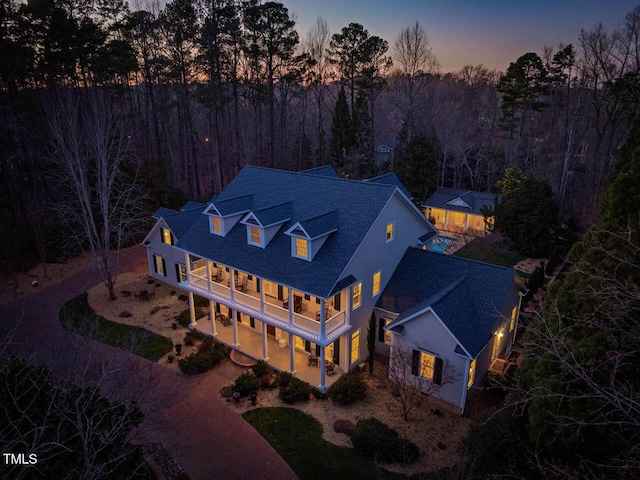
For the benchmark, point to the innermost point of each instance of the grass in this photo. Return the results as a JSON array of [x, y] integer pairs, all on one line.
[[297, 437], [485, 250], [77, 316]]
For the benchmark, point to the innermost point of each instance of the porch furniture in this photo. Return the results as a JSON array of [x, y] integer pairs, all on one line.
[[241, 284], [330, 369], [312, 361], [223, 319], [327, 314], [216, 276], [297, 304]]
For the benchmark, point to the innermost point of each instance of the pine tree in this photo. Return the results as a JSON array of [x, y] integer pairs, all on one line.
[[341, 136]]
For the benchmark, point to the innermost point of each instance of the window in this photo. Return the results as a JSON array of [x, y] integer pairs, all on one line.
[[181, 272], [427, 365], [166, 236], [216, 225], [376, 283], [256, 236], [472, 374], [302, 247], [514, 313], [384, 335], [357, 295], [387, 333], [390, 229], [159, 265], [355, 345]]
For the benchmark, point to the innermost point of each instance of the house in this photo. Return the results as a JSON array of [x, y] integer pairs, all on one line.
[[385, 151], [450, 318], [460, 211], [294, 264]]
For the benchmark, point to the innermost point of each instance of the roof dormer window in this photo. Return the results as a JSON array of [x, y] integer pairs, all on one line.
[[301, 248], [255, 236], [216, 225]]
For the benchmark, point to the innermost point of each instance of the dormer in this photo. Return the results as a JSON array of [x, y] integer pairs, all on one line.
[[262, 225], [308, 236], [459, 202], [224, 214]]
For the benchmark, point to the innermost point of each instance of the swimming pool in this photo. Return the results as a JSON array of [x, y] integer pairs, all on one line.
[[440, 244]]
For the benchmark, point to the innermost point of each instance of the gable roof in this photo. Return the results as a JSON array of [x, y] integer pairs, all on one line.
[[323, 171], [391, 179], [357, 205], [467, 295], [461, 200], [319, 225], [273, 215], [233, 205], [180, 222]]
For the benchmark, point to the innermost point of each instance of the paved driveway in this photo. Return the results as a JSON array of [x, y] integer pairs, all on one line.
[[183, 413]]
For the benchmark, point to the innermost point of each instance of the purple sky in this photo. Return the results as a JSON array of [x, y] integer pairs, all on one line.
[[462, 32]]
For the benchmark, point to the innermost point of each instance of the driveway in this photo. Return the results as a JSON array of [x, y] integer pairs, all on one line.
[[185, 414]]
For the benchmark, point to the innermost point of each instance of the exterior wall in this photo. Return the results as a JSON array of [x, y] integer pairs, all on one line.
[[382, 318], [376, 254], [170, 254], [426, 332]]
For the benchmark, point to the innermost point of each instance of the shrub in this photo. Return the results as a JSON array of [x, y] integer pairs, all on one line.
[[193, 336], [226, 391], [282, 379], [182, 297], [349, 388], [261, 369], [343, 426], [207, 345], [295, 391], [376, 441], [204, 361], [245, 384], [184, 318]]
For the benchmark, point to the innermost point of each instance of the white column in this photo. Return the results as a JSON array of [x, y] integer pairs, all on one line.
[[466, 218], [291, 350], [265, 354], [322, 320], [187, 264], [323, 387], [192, 311], [232, 284], [290, 295], [207, 270], [234, 323], [212, 317], [259, 282]]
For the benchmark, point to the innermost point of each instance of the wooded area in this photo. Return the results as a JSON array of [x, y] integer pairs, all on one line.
[[196, 89]]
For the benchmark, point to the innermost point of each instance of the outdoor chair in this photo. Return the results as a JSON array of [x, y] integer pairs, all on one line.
[[241, 284], [312, 361], [216, 276], [330, 369]]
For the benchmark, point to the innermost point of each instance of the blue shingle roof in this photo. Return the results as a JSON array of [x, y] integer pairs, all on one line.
[[391, 179], [475, 200], [467, 295], [274, 214], [229, 206], [324, 171], [357, 204], [180, 222], [320, 224]]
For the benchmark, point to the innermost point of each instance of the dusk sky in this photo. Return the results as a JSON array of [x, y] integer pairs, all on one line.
[[462, 32]]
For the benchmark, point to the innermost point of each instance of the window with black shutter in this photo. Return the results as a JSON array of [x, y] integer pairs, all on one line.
[[381, 324], [336, 302], [437, 371], [415, 362]]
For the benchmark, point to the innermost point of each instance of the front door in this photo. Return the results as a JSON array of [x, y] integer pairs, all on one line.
[[271, 330]]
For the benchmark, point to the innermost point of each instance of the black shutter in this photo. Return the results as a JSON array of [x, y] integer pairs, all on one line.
[[239, 316], [437, 371], [229, 312], [415, 362], [336, 350], [155, 264], [318, 350], [177, 273], [336, 302], [381, 325], [173, 239], [258, 283], [252, 322], [217, 307], [307, 345], [280, 292], [162, 234], [164, 268]]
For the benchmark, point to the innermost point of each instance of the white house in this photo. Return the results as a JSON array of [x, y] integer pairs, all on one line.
[[292, 264]]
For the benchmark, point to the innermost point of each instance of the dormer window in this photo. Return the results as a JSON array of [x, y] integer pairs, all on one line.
[[166, 236], [255, 236], [308, 236], [216, 225], [301, 248]]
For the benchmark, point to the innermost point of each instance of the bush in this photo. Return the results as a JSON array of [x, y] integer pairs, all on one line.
[[343, 426], [282, 379], [261, 369], [349, 388], [184, 318], [295, 391], [246, 383], [193, 336], [125, 314], [204, 361], [376, 441], [207, 345]]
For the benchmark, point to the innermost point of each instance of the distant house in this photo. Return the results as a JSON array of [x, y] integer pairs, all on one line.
[[385, 151], [293, 264], [459, 211]]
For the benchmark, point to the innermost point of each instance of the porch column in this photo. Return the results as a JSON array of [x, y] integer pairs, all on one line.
[[261, 285], [263, 329], [290, 295], [212, 317], [322, 319], [291, 350], [187, 264], [192, 311], [208, 272], [323, 387], [446, 215], [466, 218], [232, 286], [234, 323]]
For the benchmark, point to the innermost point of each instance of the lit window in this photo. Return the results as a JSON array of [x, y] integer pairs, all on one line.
[[472, 373], [355, 345], [390, 227], [302, 247], [256, 236], [166, 236], [182, 273], [514, 313], [216, 224], [376, 283], [158, 263], [427, 365], [357, 295], [387, 333]]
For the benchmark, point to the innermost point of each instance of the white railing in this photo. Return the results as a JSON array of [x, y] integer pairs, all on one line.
[[220, 289], [276, 311], [247, 300], [198, 281], [199, 272], [335, 321], [306, 323]]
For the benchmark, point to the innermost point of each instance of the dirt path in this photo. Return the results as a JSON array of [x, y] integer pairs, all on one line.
[[184, 414]]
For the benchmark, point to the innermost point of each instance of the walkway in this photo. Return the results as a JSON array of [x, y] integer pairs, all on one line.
[[183, 413]]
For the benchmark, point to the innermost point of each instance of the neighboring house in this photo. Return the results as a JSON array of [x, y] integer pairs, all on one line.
[[459, 211], [384, 151], [294, 264], [451, 316]]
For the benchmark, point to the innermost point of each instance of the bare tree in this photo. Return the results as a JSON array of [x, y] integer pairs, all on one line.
[[409, 385], [97, 200]]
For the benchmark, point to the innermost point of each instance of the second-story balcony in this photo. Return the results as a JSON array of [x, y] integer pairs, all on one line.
[[276, 304]]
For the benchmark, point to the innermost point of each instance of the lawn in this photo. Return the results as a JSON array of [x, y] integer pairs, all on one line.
[[297, 437], [77, 316], [487, 250]]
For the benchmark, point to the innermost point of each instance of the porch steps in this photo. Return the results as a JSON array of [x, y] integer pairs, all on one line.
[[240, 359]]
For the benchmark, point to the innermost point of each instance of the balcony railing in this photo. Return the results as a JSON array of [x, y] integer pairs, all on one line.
[[248, 300], [336, 321], [306, 323], [277, 312]]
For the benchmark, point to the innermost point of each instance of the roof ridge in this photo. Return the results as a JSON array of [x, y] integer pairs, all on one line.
[[465, 260], [318, 215]]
